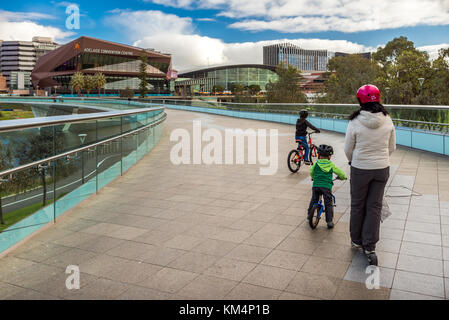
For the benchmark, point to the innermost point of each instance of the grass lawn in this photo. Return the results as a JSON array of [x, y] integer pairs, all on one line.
[[16, 114], [15, 216]]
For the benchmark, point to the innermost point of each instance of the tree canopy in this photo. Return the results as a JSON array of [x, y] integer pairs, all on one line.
[[397, 66], [288, 87]]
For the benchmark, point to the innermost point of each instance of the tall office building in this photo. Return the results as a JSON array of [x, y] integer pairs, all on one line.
[[293, 55], [18, 58]]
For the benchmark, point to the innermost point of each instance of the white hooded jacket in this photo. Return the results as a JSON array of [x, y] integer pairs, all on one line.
[[370, 140]]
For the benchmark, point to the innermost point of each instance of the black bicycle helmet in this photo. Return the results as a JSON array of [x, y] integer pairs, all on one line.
[[304, 113], [325, 150]]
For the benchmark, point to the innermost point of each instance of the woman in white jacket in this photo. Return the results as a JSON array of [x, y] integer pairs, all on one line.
[[370, 140]]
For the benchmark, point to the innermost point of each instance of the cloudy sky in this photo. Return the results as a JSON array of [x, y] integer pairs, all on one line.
[[215, 32]]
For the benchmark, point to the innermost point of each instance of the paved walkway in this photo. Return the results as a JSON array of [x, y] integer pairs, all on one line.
[[226, 232]]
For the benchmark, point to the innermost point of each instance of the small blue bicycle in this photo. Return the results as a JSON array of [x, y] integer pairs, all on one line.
[[318, 209]]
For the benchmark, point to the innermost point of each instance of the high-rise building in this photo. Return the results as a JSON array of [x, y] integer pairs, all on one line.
[[18, 58], [293, 55]]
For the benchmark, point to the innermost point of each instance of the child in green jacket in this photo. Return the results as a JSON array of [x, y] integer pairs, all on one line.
[[322, 175]]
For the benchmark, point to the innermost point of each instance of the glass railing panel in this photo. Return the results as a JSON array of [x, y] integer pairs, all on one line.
[[75, 180], [27, 203], [25, 146], [129, 157]]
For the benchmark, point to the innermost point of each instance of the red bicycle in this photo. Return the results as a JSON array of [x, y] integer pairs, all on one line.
[[297, 156]]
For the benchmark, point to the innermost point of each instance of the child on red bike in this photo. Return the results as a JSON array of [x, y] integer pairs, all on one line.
[[322, 175], [301, 134]]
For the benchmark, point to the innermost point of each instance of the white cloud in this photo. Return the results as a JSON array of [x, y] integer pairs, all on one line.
[[433, 50], [176, 35], [323, 15], [22, 26], [205, 19]]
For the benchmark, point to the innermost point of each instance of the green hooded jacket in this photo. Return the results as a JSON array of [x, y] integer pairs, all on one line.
[[322, 173]]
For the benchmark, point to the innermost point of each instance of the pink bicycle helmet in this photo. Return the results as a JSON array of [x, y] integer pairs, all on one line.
[[368, 93]]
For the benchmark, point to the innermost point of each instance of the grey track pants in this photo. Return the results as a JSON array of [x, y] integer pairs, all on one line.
[[367, 192]]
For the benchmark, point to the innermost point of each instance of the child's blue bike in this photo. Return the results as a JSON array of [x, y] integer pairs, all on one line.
[[318, 209]]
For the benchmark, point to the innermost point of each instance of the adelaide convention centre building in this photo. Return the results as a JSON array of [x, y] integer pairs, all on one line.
[[119, 63]]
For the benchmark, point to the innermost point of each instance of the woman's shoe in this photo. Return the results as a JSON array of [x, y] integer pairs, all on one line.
[[355, 245], [372, 257]]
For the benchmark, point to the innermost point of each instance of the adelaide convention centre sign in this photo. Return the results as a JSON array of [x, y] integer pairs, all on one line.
[[106, 51]]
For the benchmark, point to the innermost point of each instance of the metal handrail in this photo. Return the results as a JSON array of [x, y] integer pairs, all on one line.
[[11, 125], [402, 106], [68, 153]]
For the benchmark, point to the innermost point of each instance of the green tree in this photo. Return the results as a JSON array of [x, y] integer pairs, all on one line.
[[288, 87], [401, 64], [237, 88], [254, 89], [89, 83], [347, 74], [388, 55], [77, 82], [218, 88], [100, 82], [439, 82], [143, 86]]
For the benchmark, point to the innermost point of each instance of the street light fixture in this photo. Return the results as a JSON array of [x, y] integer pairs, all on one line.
[[387, 90], [421, 81], [82, 137]]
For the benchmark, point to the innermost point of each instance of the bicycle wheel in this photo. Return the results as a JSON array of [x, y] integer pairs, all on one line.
[[313, 153], [313, 222], [294, 161]]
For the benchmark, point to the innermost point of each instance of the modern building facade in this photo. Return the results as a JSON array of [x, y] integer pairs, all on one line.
[[118, 62], [366, 55], [18, 58], [204, 80], [290, 54]]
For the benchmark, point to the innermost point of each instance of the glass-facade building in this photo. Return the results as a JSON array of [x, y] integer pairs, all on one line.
[[290, 54], [204, 80], [119, 63]]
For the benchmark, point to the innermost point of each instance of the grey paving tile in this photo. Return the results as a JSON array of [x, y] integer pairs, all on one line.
[[169, 280], [230, 269], [8, 290], [184, 242], [298, 246], [422, 237], [313, 285], [140, 293], [324, 266], [131, 250], [350, 290], [100, 289], [208, 288], [264, 239], [215, 247], [161, 256], [286, 260], [248, 253], [423, 227], [420, 265], [419, 283], [404, 295], [72, 256], [246, 291], [42, 252], [421, 250], [293, 296], [270, 277], [193, 262]]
